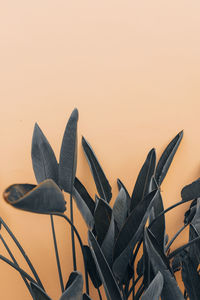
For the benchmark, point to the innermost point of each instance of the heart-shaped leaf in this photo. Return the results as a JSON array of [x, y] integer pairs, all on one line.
[[74, 287], [91, 268], [43, 158], [43, 198], [110, 285], [38, 293], [102, 184], [155, 288], [130, 234], [141, 188], [160, 263], [68, 154], [84, 202], [191, 191], [167, 157]]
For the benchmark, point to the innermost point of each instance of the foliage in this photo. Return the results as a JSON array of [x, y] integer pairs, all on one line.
[[116, 234]]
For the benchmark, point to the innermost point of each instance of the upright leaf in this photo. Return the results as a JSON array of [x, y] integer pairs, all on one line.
[[155, 288], [160, 263], [110, 285], [120, 208], [38, 293], [68, 154], [141, 188], [108, 242], [167, 157], [74, 287], [129, 235], [84, 202], [102, 184], [43, 158], [122, 186], [190, 278]]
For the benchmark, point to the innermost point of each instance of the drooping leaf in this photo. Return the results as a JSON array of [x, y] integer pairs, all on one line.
[[92, 269], [190, 278], [120, 208], [38, 293], [155, 288], [43, 198], [102, 218], [74, 287], [84, 202], [191, 191], [102, 184], [43, 158], [167, 157], [130, 234], [108, 242], [141, 188], [68, 154], [109, 282], [160, 263]]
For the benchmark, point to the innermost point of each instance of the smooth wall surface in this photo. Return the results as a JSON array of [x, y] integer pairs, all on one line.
[[132, 68]]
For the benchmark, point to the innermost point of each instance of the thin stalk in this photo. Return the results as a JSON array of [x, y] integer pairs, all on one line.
[[23, 253], [57, 255], [123, 292], [99, 293], [166, 210], [139, 292], [137, 250], [26, 275], [81, 245], [72, 233], [15, 262], [134, 284], [175, 236], [175, 252]]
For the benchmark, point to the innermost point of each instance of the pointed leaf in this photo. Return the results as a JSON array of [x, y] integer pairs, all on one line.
[[122, 186], [91, 268], [191, 191], [155, 288], [108, 242], [43, 158], [102, 218], [110, 285], [102, 184], [130, 234], [74, 287], [68, 154], [84, 202], [167, 157], [120, 208], [43, 198], [160, 263], [141, 188], [38, 293], [190, 278]]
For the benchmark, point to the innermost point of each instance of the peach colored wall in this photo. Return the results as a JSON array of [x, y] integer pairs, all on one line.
[[132, 68]]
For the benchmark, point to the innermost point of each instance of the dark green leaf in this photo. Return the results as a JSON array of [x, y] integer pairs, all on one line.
[[38, 293], [141, 188], [120, 208], [86, 297], [160, 263], [191, 191], [68, 154], [108, 242], [92, 269], [110, 285], [167, 157], [84, 202], [122, 186], [102, 184], [191, 279], [43, 158], [130, 234], [102, 218], [43, 198], [155, 288], [74, 287]]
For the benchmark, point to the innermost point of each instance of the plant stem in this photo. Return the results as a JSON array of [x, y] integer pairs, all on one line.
[[99, 292], [57, 255], [15, 262], [175, 252], [134, 284], [23, 253], [72, 233], [175, 236], [81, 245], [21, 271], [139, 292]]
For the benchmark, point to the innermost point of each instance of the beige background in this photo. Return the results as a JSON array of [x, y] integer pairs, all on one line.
[[132, 68]]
